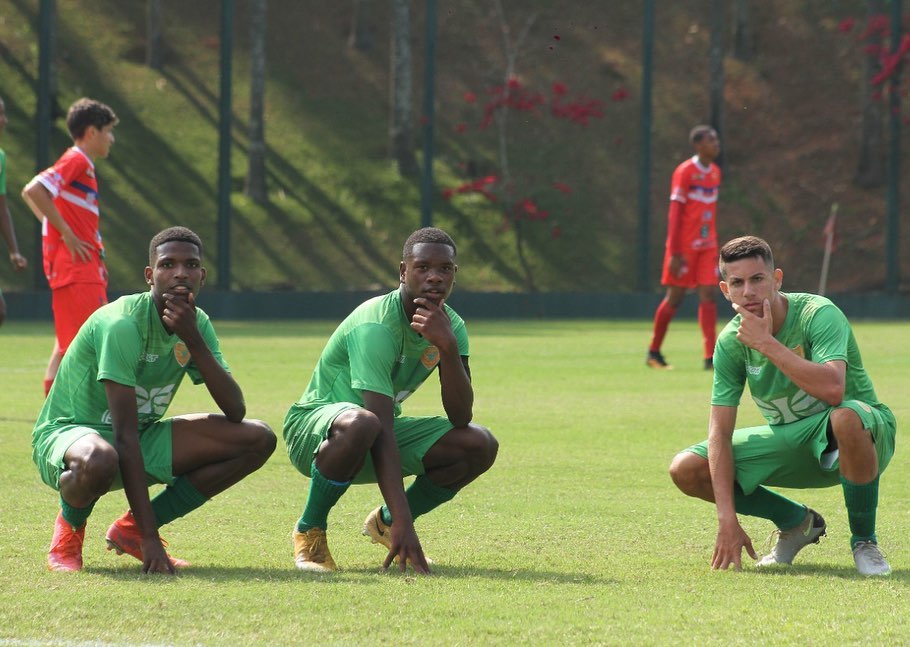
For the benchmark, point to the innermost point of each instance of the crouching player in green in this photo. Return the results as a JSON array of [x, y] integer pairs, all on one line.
[[347, 427], [101, 427], [825, 424]]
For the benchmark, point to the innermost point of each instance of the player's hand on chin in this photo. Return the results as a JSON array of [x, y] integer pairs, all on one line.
[[180, 314]]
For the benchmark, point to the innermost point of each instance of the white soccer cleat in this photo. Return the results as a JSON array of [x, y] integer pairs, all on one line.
[[790, 542], [869, 559]]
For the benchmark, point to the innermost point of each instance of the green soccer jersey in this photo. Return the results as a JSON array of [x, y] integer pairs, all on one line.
[[124, 342], [375, 349], [814, 329]]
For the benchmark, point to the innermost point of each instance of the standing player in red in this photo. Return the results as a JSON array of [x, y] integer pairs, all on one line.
[[64, 198], [690, 260]]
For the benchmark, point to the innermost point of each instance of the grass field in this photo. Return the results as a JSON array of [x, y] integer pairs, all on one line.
[[576, 536]]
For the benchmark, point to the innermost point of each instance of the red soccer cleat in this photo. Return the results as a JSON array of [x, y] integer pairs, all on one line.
[[123, 536], [66, 546]]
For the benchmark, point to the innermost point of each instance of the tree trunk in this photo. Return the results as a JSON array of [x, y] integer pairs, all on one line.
[[256, 175], [870, 169], [57, 110], [361, 38], [743, 41], [401, 117], [154, 50], [717, 70]]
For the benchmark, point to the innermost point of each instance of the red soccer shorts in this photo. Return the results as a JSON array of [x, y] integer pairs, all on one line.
[[72, 305], [699, 268]]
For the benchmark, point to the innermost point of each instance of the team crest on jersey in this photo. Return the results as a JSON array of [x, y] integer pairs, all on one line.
[[181, 354], [798, 349], [430, 357]]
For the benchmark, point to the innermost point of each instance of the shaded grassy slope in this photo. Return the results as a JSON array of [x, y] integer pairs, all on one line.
[[338, 210]]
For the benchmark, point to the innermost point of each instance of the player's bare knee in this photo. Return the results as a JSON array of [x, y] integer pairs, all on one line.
[[94, 467], [486, 447], [688, 471], [262, 439], [357, 429], [847, 427]]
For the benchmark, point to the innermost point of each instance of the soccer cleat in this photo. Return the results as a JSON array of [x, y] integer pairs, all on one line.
[[378, 532], [869, 559], [790, 542], [66, 546], [123, 537], [656, 360], [311, 551], [709, 363]]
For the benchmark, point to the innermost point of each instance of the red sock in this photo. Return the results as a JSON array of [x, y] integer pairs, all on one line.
[[662, 319], [707, 319], [47, 387]]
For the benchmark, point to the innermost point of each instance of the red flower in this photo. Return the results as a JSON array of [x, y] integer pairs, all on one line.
[[620, 95], [560, 89], [846, 25], [562, 186], [460, 128], [470, 97]]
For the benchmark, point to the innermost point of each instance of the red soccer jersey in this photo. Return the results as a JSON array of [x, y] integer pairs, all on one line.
[[696, 187], [72, 183]]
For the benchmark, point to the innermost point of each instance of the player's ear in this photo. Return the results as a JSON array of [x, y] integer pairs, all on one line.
[[725, 289], [778, 278], [148, 275], [202, 280], [402, 268]]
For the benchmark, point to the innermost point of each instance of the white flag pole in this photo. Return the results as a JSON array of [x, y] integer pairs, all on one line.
[[829, 245]]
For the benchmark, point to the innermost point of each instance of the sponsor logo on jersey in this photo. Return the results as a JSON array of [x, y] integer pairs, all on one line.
[[181, 354], [430, 357], [153, 402], [151, 358], [753, 370]]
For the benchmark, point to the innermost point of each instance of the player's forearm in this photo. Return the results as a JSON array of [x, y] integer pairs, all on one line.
[[132, 471], [387, 464], [39, 200], [720, 461], [825, 382], [6, 227], [125, 422], [221, 385], [674, 227], [457, 391]]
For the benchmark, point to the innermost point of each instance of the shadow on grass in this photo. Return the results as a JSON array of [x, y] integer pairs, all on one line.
[[844, 572], [243, 574]]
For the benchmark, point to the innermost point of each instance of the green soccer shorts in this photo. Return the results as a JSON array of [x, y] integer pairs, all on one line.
[[155, 443], [793, 455], [304, 431]]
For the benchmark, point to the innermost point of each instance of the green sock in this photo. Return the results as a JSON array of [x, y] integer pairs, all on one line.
[[862, 503], [324, 493], [76, 517], [423, 495], [176, 500], [767, 504]]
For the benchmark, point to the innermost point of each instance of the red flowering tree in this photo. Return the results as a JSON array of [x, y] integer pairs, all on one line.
[[882, 75], [520, 196]]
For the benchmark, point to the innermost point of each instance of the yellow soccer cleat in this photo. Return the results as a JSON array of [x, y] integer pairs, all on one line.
[[311, 551]]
